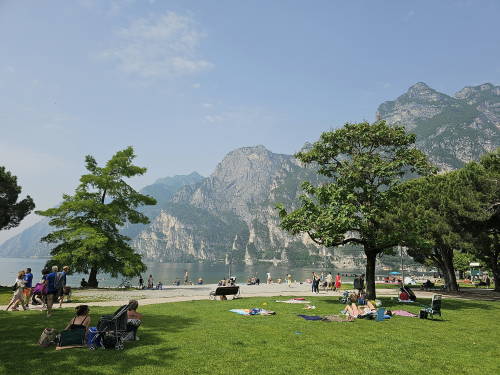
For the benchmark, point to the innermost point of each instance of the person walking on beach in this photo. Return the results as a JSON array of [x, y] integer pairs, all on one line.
[[18, 296], [338, 281], [150, 282], [315, 283], [61, 284], [50, 281], [141, 282], [28, 277], [186, 277], [329, 281], [289, 280], [269, 279]]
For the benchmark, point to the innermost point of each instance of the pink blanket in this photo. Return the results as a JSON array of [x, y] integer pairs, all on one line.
[[403, 313]]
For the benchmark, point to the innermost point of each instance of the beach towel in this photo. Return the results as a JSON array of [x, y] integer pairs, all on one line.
[[254, 311], [405, 300], [295, 300], [310, 317], [404, 313], [337, 318]]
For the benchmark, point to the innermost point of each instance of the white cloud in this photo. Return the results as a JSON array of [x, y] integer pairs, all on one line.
[[159, 47]]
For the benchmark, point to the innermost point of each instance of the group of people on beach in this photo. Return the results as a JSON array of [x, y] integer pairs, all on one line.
[[49, 290], [159, 284]]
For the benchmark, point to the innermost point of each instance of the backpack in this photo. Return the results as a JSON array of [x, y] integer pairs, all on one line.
[[58, 282], [48, 337]]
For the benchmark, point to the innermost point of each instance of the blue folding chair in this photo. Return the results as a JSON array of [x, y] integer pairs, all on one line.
[[380, 317]]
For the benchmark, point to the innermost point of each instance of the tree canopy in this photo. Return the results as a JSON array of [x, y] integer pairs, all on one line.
[[12, 212], [87, 236], [454, 211], [364, 163]]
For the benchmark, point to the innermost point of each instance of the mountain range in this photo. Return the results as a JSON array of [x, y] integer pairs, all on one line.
[[230, 215]]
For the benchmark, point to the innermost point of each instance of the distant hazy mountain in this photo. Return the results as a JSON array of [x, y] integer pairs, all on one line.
[[27, 243], [451, 130]]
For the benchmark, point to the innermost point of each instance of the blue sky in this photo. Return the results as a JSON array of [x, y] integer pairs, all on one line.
[[185, 82]]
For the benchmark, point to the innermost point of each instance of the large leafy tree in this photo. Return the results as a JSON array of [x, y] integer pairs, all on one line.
[[364, 163], [455, 211], [427, 215], [87, 236], [12, 211], [482, 227]]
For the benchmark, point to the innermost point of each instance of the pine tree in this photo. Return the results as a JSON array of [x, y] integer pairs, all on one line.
[[87, 236]]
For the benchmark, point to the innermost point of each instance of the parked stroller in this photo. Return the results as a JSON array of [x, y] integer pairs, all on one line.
[[344, 298], [111, 330], [407, 290]]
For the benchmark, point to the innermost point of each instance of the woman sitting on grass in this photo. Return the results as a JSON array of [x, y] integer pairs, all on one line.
[[81, 319], [75, 332], [134, 320]]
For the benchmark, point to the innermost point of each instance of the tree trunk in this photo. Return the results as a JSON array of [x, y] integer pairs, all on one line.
[[496, 271], [449, 270], [93, 278], [371, 259]]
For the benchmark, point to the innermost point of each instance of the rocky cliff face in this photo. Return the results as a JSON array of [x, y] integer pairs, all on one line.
[[231, 213], [451, 130]]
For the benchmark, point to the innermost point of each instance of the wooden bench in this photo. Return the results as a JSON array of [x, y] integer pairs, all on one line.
[[225, 291]]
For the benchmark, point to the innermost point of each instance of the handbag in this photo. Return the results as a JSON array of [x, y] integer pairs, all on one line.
[[48, 337]]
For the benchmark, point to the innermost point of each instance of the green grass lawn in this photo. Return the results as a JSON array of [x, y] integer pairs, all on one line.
[[203, 337], [5, 295]]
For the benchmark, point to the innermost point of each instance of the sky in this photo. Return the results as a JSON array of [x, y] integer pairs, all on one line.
[[185, 82]]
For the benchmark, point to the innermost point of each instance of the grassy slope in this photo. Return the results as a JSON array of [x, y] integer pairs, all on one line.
[[202, 337]]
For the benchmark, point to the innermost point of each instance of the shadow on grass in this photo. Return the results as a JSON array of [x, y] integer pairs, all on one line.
[[20, 334]]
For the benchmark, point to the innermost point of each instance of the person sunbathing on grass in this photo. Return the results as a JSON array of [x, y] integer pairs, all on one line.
[[363, 311]]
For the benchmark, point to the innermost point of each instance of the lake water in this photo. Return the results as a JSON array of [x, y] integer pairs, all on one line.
[[168, 272]]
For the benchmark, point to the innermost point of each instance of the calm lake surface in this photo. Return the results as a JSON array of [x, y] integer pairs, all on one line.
[[168, 272]]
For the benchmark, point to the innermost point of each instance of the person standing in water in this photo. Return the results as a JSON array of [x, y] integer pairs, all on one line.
[[186, 277]]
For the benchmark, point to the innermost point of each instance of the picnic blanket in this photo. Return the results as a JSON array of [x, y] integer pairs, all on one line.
[[310, 317], [327, 318], [254, 311], [403, 313], [295, 300]]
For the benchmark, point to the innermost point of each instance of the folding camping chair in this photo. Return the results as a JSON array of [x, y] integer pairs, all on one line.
[[435, 307]]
